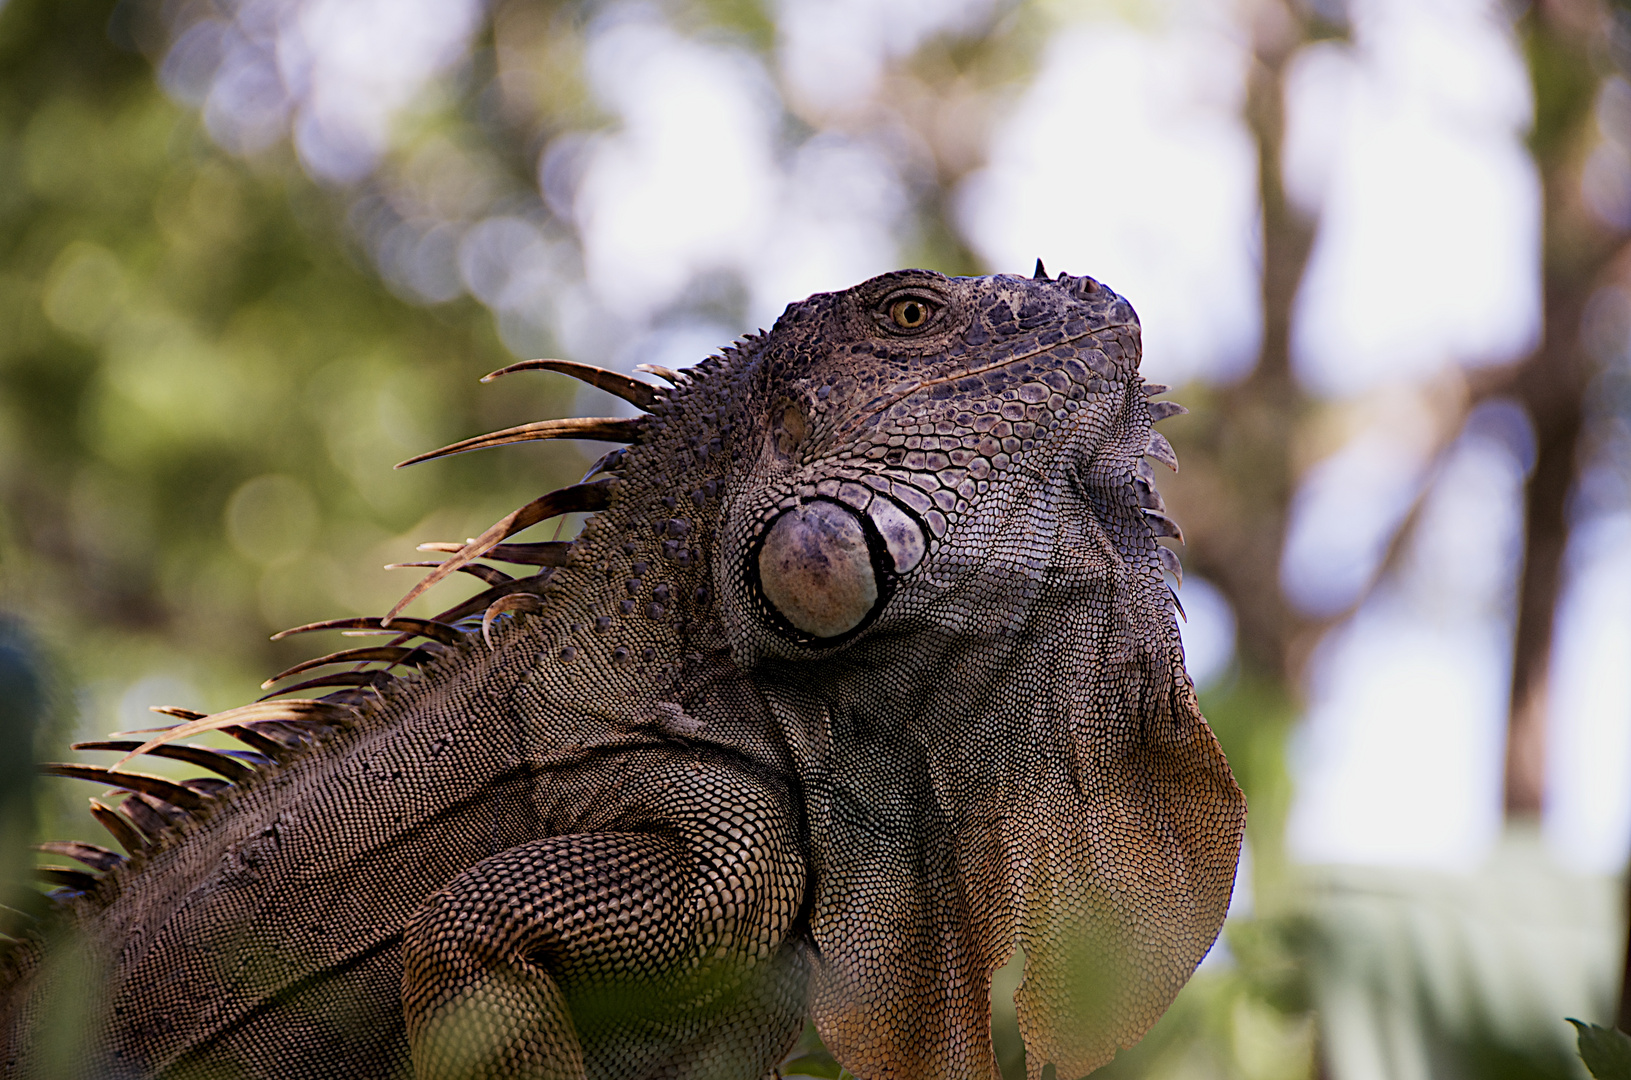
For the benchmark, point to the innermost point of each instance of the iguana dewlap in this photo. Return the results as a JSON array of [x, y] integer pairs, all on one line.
[[862, 676]]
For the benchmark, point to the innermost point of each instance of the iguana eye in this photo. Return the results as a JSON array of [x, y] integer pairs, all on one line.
[[910, 313], [815, 569]]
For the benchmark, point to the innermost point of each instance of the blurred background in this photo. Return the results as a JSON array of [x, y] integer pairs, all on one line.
[[253, 252]]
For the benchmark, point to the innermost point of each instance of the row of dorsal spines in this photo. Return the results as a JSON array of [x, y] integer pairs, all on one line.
[[1149, 499], [153, 810]]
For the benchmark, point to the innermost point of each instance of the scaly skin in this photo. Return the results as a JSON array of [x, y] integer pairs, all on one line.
[[864, 677]]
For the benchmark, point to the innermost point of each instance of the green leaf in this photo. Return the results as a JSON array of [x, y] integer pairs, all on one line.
[[1606, 1051], [815, 1066]]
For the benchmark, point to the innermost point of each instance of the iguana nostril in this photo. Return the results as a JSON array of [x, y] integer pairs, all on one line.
[[816, 570]]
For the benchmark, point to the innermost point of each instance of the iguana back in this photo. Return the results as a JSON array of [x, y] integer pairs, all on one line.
[[863, 675]]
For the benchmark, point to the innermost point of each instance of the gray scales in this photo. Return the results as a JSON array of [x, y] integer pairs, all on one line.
[[863, 676]]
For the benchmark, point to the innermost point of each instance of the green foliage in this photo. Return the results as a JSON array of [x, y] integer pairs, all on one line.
[[1252, 716], [23, 711], [1606, 1051], [1490, 1054], [204, 385], [810, 1058], [1224, 1025], [1564, 89]]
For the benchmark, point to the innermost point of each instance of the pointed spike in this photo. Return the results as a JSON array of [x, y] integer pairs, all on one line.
[[389, 654], [288, 739], [1041, 273], [1170, 562], [146, 814], [1177, 603], [1161, 525], [518, 601], [549, 553], [479, 603], [426, 628], [490, 575], [274, 751], [77, 880], [1151, 389], [578, 497], [251, 758], [636, 393], [1162, 410], [606, 428], [179, 714], [202, 756], [1142, 470], [297, 710], [1148, 497], [1162, 451], [668, 375], [169, 812], [374, 677], [609, 462], [175, 794], [353, 699], [93, 856], [129, 837]]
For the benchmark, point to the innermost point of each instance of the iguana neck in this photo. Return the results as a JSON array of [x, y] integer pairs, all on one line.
[[630, 630], [1083, 602]]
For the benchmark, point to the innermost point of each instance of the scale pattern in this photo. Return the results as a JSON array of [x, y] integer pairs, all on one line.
[[862, 677]]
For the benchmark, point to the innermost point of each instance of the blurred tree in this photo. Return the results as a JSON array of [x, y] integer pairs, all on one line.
[[1567, 53], [209, 361], [1241, 447], [23, 712], [203, 382]]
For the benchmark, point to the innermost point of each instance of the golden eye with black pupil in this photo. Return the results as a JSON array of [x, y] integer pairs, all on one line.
[[910, 313]]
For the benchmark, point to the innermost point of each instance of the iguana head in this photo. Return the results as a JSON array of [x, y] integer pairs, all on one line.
[[890, 421]]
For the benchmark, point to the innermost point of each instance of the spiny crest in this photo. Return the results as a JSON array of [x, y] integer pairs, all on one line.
[[275, 729], [1149, 499]]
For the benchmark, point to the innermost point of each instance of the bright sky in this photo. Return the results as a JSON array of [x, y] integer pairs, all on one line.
[[1125, 158]]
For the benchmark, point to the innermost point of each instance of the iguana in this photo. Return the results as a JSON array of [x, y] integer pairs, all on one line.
[[862, 676]]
